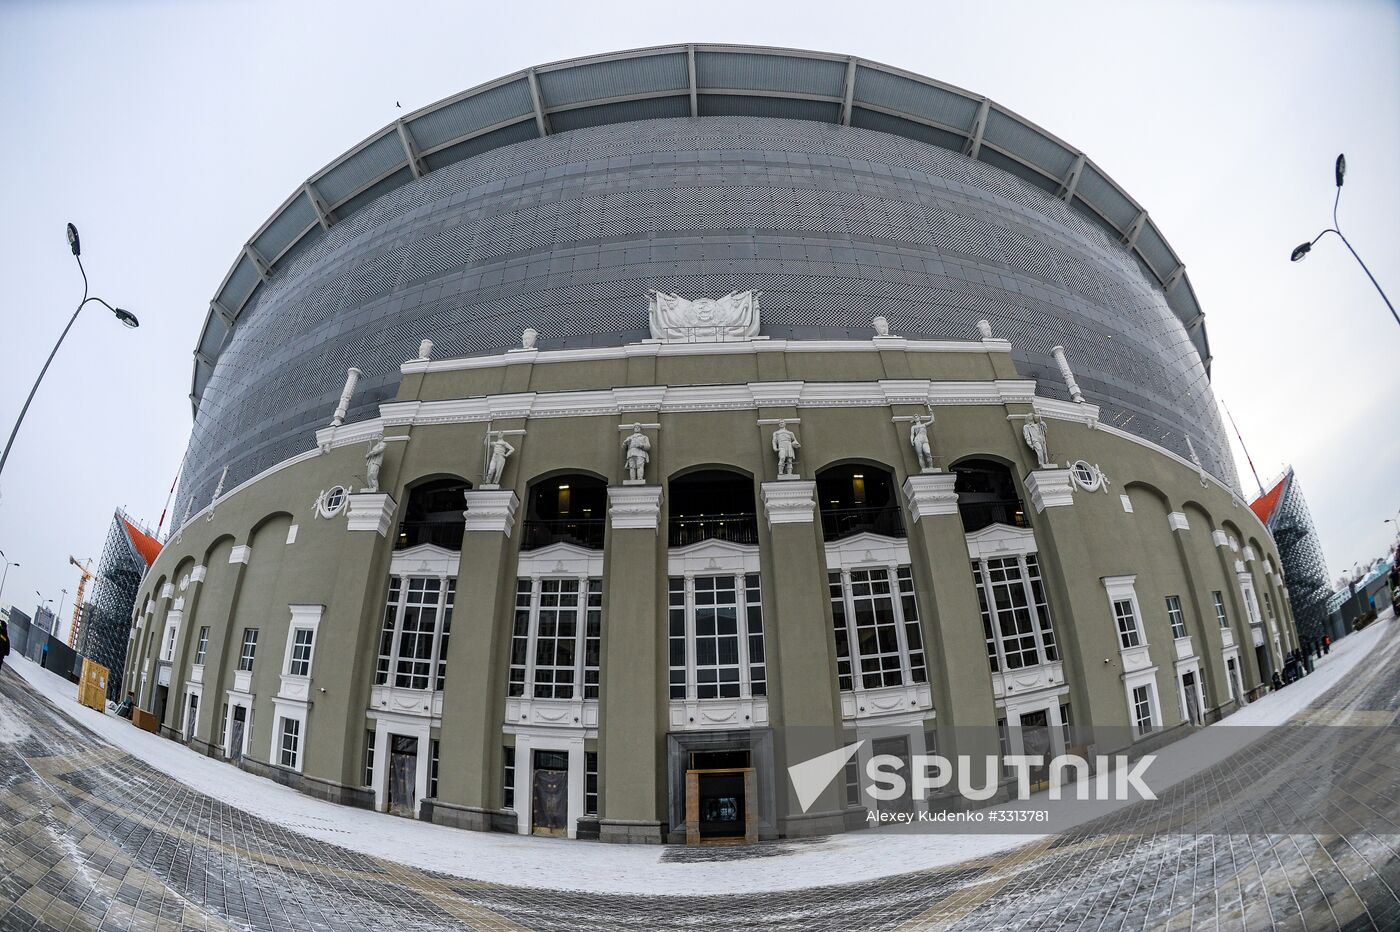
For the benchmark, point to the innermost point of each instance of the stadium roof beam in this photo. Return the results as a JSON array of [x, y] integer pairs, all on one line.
[[850, 91], [979, 127], [323, 214], [1072, 180], [537, 101], [410, 150], [694, 87]]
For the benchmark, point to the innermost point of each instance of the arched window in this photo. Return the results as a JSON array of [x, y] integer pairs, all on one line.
[[568, 509], [858, 498], [434, 515], [987, 495], [712, 504]]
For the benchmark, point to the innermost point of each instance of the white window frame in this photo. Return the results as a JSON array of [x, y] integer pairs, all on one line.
[[899, 578], [529, 598], [248, 650], [1218, 600], [1154, 714], [387, 665], [743, 633], [992, 614], [201, 650], [1124, 589], [282, 735], [1176, 618]]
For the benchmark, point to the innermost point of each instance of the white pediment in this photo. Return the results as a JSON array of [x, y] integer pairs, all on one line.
[[1000, 540], [866, 549], [713, 557], [425, 560], [561, 559]]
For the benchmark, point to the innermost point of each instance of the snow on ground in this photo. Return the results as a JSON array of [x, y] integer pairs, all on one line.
[[602, 868]]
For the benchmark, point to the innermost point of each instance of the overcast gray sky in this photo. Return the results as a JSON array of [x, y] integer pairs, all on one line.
[[168, 132]]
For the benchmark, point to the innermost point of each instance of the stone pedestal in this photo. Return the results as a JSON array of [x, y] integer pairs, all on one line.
[[1050, 488], [370, 511], [491, 510]]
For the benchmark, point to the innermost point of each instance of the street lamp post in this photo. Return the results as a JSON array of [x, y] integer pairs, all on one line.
[[127, 318], [6, 574], [1303, 249]]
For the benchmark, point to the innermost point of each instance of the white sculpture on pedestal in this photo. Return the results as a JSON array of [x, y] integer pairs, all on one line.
[[882, 326], [918, 439], [374, 458], [786, 445], [1037, 434], [425, 349], [498, 449], [985, 328], [528, 338], [636, 454], [677, 319]]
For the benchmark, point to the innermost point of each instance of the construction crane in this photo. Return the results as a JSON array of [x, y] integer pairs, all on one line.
[[83, 568]]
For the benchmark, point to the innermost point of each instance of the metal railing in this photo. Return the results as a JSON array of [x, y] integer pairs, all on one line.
[[445, 534], [581, 532], [878, 519], [977, 515], [736, 528]]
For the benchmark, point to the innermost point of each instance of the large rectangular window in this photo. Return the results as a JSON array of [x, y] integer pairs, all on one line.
[[556, 638], [202, 649], [433, 770], [878, 639], [1219, 601], [300, 662], [291, 742], [1176, 618], [1016, 624], [1128, 633], [1142, 709], [250, 649], [413, 640], [715, 637], [369, 757]]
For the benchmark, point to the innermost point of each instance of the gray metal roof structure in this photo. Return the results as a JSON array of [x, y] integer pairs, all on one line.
[[689, 81]]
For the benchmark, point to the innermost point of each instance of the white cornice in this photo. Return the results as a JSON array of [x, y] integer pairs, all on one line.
[[738, 348]]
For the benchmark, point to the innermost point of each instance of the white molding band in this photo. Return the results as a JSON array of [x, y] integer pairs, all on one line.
[[370, 511], [492, 510], [1050, 488], [634, 506], [930, 494], [737, 348], [789, 501]]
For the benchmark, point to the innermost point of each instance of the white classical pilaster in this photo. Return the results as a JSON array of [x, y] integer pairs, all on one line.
[[1177, 521], [931, 494], [634, 506], [1050, 488], [789, 501], [240, 554], [370, 511], [491, 510]]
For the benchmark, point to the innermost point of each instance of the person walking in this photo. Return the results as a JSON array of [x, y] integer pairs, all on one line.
[[1277, 681], [4, 642], [1327, 643]]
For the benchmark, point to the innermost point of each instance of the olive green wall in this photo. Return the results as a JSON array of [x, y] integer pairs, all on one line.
[[347, 571]]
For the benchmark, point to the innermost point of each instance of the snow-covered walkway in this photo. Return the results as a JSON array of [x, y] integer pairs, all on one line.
[[599, 868]]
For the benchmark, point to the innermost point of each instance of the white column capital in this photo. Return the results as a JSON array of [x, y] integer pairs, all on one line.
[[634, 506], [240, 554], [1219, 539], [370, 511], [1050, 488], [789, 501], [491, 510], [1177, 521], [931, 494]]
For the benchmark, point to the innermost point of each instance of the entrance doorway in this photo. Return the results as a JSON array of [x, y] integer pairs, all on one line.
[[403, 775], [191, 717], [896, 746], [720, 797], [1233, 670], [1261, 654], [1035, 741], [1193, 699], [549, 797], [235, 732]]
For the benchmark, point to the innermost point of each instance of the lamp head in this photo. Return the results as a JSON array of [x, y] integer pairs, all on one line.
[[127, 318], [73, 242], [1341, 169], [1301, 251]]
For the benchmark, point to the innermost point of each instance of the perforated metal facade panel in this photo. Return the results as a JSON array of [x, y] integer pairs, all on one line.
[[567, 234]]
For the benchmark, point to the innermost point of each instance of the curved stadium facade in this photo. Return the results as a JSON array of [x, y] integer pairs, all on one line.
[[556, 200]]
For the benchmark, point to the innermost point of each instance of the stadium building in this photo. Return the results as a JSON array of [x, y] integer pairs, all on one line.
[[568, 447]]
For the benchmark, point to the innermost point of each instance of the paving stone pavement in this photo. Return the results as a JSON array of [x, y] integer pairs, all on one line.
[[92, 838]]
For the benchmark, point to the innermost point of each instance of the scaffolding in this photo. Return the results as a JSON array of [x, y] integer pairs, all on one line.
[[127, 554], [1285, 512]]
